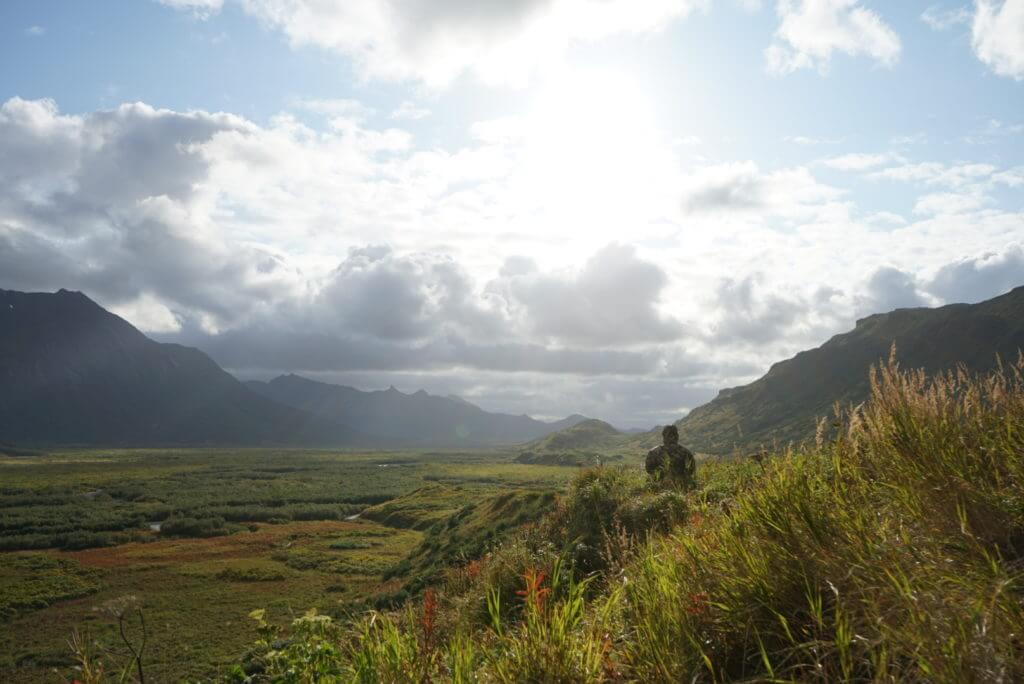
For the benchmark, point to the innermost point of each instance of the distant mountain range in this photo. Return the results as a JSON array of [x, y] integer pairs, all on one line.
[[782, 406], [73, 373], [418, 419]]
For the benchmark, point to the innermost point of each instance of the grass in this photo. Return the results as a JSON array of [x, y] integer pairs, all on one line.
[[31, 581], [240, 529], [890, 551]]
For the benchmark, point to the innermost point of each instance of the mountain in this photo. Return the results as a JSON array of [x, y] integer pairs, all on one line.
[[74, 373], [587, 434], [587, 443], [399, 419], [784, 404]]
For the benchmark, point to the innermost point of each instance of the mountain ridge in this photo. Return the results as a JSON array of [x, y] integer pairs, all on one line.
[[783, 404], [86, 376], [419, 418]]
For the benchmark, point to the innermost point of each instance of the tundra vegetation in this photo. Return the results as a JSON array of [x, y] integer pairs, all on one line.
[[890, 550], [201, 537], [887, 550]]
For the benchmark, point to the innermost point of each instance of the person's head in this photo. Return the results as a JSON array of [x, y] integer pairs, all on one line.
[[670, 434]]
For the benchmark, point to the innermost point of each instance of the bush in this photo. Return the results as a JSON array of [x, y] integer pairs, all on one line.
[[176, 526]]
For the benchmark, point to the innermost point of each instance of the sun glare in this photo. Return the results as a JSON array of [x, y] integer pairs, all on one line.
[[593, 145]]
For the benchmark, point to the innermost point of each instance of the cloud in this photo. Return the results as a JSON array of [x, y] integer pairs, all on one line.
[[808, 141], [340, 107], [436, 41], [993, 131], [35, 31], [947, 203], [939, 19], [997, 35], [743, 188], [202, 9], [981, 277], [857, 161], [410, 111], [750, 314], [889, 288], [89, 198], [810, 31], [957, 176], [612, 300], [346, 248]]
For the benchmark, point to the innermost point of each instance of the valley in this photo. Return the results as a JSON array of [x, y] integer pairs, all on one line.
[[240, 529]]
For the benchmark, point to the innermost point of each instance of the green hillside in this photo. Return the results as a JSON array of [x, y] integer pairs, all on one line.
[[589, 434], [890, 553], [783, 406]]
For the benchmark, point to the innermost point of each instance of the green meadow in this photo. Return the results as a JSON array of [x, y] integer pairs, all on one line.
[[201, 537]]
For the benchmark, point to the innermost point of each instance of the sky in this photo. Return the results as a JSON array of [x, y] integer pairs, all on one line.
[[609, 207]]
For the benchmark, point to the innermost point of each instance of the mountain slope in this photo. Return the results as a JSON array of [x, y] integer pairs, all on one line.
[[783, 405], [399, 419], [74, 373], [587, 434]]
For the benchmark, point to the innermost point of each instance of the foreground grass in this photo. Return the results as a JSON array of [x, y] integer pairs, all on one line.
[[890, 552]]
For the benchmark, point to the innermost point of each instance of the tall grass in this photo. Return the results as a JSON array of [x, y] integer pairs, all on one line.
[[891, 551]]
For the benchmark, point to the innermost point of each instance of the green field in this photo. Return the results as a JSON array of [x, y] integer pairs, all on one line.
[[203, 536]]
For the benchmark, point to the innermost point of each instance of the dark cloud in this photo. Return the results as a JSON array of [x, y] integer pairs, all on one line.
[[747, 314], [744, 190], [103, 203], [979, 278], [611, 301], [262, 348], [886, 289]]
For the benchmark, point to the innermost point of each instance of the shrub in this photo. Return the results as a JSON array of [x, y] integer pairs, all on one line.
[[183, 526]]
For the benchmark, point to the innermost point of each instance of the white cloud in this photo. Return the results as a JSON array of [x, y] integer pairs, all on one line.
[[611, 301], [436, 41], [410, 111], [202, 9], [810, 141], [742, 188], [994, 130], [810, 31], [918, 138], [251, 241], [998, 36], [940, 19], [857, 161], [338, 107], [35, 31], [946, 203], [936, 173]]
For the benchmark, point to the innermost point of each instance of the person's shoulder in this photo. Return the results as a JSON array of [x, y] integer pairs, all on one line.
[[656, 450]]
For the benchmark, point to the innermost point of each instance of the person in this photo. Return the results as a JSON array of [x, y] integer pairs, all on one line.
[[671, 461]]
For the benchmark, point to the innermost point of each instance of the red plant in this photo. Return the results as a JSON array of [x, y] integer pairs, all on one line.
[[473, 569], [428, 617], [534, 594], [611, 671], [698, 604]]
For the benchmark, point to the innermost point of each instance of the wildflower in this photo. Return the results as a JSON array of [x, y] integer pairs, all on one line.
[[428, 617], [534, 594]]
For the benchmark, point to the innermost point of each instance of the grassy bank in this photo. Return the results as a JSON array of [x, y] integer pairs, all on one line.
[[889, 552]]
